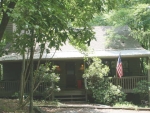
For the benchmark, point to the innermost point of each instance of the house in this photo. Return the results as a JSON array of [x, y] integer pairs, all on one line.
[[107, 45]]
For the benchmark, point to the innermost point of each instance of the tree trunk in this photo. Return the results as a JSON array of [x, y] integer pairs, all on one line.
[[22, 81], [5, 18], [31, 73]]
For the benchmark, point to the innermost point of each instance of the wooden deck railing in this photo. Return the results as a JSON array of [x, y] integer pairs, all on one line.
[[127, 84], [10, 87]]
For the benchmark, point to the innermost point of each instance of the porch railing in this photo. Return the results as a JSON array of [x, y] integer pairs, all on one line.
[[9, 85], [128, 83], [8, 88]]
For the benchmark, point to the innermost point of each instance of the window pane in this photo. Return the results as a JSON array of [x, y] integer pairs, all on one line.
[[113, 64]]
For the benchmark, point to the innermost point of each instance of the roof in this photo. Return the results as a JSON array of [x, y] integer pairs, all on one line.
[[108, 43]]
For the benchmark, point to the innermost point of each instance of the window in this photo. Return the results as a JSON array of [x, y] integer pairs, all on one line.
[[125, 65], [112, 66]]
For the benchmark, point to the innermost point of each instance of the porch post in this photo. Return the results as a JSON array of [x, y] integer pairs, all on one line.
[[149, 79], [85, 85], [116, 80], [0, 72]]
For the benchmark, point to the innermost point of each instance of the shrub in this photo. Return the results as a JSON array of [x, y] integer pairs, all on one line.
[[46, 74], [103, 91], [142, 88]]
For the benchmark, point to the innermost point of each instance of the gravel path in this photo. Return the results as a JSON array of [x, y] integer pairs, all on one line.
[[88, 110]]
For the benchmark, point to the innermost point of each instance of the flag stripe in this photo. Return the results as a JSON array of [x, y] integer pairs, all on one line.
[[119, 67]]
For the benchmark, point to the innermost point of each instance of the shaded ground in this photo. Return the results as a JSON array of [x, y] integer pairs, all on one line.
[[10, 106], [88, 110], [71, 107]]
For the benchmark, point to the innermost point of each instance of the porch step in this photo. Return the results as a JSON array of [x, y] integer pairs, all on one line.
[[70, 95], [70, 98]]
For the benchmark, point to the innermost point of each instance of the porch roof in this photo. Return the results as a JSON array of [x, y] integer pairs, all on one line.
[[78, 55], [108, 43]]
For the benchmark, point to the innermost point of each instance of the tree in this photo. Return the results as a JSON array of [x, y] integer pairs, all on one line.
[[6, 8], [52, 21], [88, 8], [135, 14], [142, 88]]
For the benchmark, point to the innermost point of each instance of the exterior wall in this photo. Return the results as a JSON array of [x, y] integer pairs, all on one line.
[[11, 71], [134, 67]]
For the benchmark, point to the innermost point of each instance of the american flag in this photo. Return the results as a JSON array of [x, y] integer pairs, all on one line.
[[119, 67]]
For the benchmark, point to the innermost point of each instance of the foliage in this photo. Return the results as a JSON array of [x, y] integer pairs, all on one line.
[[106, 93], [46, 74], [125, 104], [15, 95], [54, 19], [135, 14], [4, 44], [142, 88], [96, 69], [103, 91], [48, 24]]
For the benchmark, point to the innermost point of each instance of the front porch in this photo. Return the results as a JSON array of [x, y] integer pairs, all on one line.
[[9, 88], [128, 83]]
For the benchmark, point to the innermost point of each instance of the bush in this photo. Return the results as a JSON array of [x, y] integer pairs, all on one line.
[[103, 91], [142, 88], [46, 78]]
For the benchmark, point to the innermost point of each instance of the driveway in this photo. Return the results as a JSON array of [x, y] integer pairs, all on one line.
[[89, 110]]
